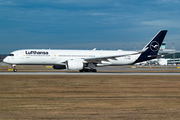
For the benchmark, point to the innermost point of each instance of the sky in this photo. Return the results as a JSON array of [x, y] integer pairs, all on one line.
[[86, 24]]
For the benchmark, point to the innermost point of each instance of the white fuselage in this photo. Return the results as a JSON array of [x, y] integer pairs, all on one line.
[[83, 59], [58, 57]]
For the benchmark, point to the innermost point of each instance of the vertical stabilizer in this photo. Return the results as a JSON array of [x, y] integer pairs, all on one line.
[[152, 47]]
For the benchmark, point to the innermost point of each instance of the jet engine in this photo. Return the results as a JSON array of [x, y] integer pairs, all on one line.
[[59, 66], [74, 65]]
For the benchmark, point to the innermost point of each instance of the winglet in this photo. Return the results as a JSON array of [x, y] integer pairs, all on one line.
[[144, 49]]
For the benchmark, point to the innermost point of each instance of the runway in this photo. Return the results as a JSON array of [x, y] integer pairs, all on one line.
[[107, 70], [86, 73]]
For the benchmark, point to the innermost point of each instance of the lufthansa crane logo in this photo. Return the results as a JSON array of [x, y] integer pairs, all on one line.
[[154, 46]]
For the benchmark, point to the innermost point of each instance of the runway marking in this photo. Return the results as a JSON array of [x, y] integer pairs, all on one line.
[[10, 69]]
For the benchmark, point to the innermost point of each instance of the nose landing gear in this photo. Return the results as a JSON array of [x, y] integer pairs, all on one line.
[[15, 70]]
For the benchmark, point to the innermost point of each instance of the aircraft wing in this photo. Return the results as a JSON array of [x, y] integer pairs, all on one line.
[[105, 58]]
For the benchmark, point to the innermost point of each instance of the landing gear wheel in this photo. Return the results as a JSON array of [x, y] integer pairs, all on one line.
[[88, 70]]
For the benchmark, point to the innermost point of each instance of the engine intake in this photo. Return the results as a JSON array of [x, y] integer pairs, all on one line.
[[74, 65]]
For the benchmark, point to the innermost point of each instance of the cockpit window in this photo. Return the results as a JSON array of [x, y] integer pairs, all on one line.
[[11, 55]]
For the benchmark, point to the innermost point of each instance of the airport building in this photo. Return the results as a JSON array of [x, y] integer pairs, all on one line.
[[173, 58]]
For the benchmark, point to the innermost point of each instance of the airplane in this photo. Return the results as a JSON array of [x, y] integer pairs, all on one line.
[[85, 60]]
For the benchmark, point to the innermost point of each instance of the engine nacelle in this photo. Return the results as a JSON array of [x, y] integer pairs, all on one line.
[[74, 65], [59, 66]]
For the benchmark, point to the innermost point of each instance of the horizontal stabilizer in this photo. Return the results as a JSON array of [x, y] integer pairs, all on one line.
[[160, 55]]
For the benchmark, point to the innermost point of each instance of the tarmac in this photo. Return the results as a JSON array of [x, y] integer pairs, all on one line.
[[85, 73], [108, 70]]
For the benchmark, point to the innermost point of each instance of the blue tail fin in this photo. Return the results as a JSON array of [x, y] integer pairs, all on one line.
[[152, 47]]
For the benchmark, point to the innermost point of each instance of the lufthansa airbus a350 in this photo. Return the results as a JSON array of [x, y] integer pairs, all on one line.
[[85, 60]]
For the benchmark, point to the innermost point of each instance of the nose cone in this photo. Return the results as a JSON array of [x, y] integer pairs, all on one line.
[[6, 60]]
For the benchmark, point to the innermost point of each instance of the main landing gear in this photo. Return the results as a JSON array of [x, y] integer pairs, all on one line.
[[15, 70], [88, 70]]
